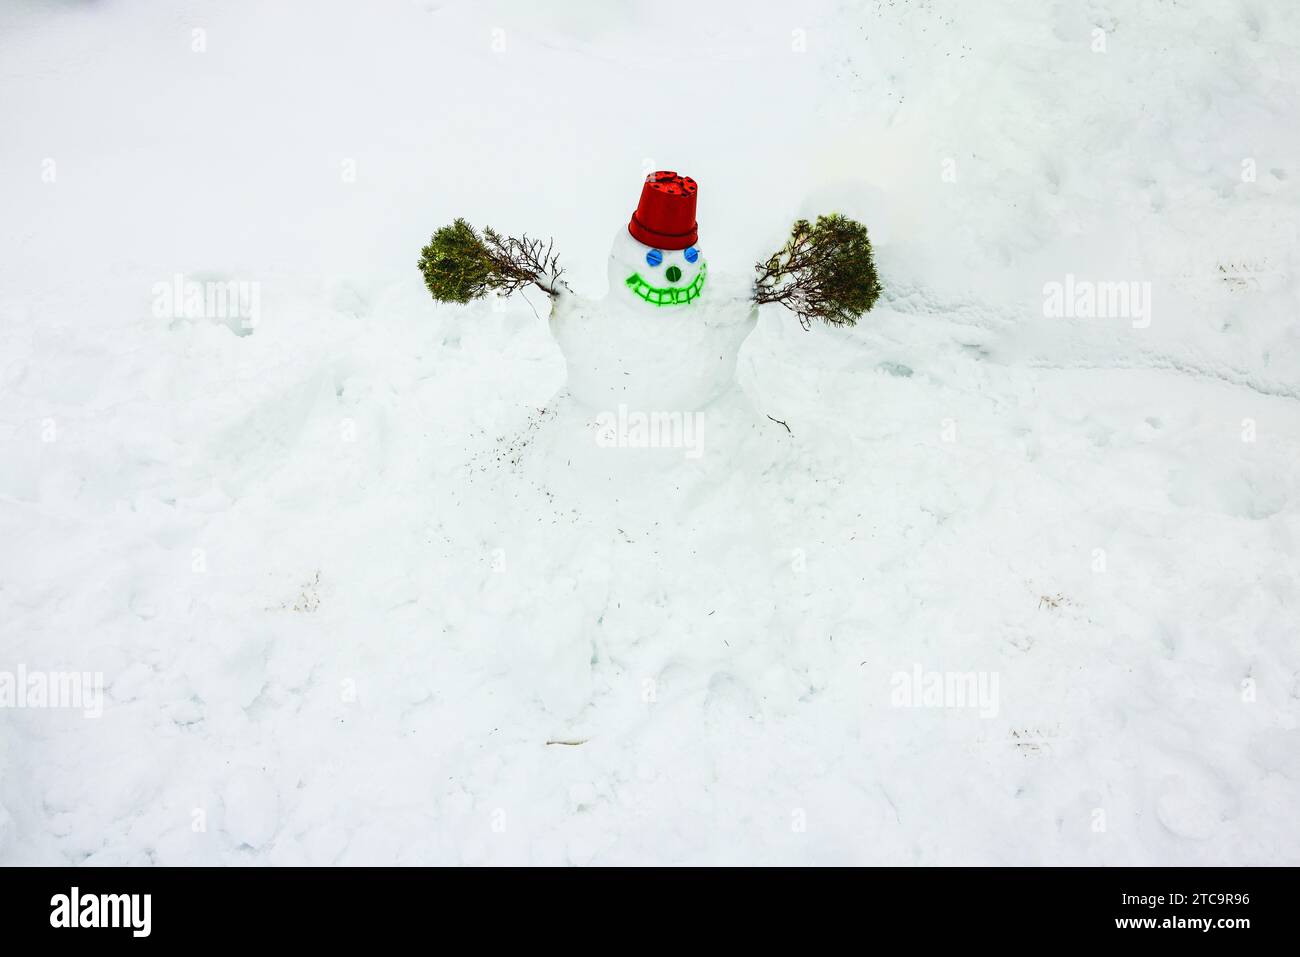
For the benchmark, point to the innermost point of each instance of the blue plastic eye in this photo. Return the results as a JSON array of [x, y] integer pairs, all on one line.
[[692, 254], [654, 257]]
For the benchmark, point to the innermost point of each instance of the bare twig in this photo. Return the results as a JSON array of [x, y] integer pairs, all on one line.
[[523, 262]]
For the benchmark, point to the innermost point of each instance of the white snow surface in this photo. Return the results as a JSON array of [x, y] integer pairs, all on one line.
[[345, 613]]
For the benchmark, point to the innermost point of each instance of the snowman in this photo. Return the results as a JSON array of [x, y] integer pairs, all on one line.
[[663, 340], [652, 366]]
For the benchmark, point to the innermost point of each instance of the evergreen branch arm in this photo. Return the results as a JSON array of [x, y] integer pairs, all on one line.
[[459, 265], [824, 271]]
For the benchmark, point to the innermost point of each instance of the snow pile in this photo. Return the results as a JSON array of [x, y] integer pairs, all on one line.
[[998, 587]]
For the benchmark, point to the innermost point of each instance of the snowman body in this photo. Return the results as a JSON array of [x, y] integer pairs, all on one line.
[[655, 343]]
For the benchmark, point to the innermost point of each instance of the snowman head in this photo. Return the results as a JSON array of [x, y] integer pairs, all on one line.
[[656, 262]]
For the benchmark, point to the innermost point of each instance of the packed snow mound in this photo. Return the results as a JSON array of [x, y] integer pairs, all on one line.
[[677, 359]]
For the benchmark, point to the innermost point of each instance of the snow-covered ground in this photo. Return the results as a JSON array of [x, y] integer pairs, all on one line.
[[340, 615]]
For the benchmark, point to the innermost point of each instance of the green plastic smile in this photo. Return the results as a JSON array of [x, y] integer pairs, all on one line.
[[667, 295]]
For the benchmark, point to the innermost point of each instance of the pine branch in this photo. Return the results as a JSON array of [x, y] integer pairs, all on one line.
[[824, 271], [459, 266]]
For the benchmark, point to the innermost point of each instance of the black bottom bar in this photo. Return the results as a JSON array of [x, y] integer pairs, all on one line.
[[367, 906]]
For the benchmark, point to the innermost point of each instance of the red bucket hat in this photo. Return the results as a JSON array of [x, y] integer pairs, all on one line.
[[665, 217]]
